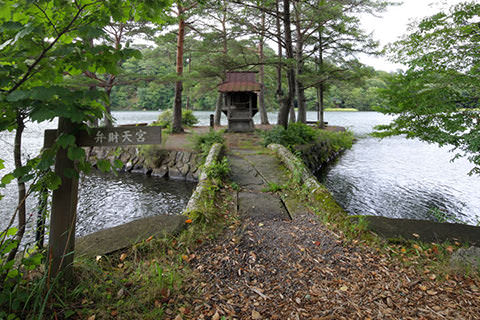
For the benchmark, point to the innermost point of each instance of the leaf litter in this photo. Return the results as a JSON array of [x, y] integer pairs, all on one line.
[[299, 269]]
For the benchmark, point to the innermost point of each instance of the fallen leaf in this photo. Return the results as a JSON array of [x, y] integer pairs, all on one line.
[[403, 250], [432, 292], [432, 277], [91, 317], [449, 249], [114, 313], [149, 239], [423, 288], [120, 293], [416, 235], [123, 256], [344, 288], [188, 221], [179, 317], [256, 315]]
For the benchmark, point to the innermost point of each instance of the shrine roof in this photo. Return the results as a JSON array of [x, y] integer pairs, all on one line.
[[240, 81]]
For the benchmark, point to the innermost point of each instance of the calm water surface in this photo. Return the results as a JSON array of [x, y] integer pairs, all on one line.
[[399, 177]]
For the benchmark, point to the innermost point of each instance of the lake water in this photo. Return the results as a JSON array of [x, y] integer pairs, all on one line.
[[400, 178], [393, 177]]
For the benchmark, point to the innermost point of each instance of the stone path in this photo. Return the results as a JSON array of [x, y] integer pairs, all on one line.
[[253, 171]]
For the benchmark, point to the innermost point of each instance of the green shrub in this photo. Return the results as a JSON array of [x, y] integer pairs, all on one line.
[[337, 140], [203, 142], [296, 134], [166, 117], [218, 170]]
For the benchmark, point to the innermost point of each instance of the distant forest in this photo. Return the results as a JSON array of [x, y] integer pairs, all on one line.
[[150, 82]]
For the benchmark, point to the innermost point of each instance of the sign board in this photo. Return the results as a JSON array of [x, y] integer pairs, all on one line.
[[111, 137], [64, 199]]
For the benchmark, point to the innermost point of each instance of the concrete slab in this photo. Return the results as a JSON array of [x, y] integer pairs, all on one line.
[[294, 206], [244, 174], [269, 167], [261, 206], [426, 230], [120, 237]]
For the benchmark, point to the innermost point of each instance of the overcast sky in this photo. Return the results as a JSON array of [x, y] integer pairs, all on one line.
[[394, 23]]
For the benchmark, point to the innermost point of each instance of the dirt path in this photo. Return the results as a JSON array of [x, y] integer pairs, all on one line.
[[274, 267]]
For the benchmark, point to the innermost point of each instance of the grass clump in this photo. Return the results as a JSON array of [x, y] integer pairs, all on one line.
[[218, 170], [203, 142]]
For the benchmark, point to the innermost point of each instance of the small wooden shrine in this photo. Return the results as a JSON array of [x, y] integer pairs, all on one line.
[[240, 104]]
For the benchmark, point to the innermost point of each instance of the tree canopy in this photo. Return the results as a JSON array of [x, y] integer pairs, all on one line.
[[437, 98]]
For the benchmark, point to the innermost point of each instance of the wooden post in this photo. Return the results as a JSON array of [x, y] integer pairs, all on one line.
[[65, 198], [63, 215]]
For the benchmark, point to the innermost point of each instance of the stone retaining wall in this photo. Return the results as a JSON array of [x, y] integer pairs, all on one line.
[[179, 165], [317, 155]]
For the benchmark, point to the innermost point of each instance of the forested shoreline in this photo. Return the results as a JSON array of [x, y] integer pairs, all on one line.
[[151, 85]]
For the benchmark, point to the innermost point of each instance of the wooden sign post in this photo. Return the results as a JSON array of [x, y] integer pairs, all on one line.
[[65, 198]]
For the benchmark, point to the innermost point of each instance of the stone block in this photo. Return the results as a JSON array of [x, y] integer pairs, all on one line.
[[161, 172], [184, 169], [175, 174]]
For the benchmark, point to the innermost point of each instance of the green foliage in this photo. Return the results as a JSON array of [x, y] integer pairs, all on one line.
[[218, 170], [336, 140], [44, 45], [203, 142], [295, 134], [273, 187], [435, 99], [166, 117], [17, 293], [362, 94]]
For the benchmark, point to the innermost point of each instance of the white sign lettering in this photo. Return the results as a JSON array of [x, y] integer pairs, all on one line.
[[140, 134], [126, 136], [99, 137], [113, 137]]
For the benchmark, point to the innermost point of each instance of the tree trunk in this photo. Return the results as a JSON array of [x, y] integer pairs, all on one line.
[[107, 118], [299, 88], [320, 92], [220, 98], [261, 75], [285, 108], [282, 103], [177, 106], [321, 87], [218, 109], [17, 155]]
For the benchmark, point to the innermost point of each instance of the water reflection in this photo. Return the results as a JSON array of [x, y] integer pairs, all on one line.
[[401, 178], [107, 200]]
